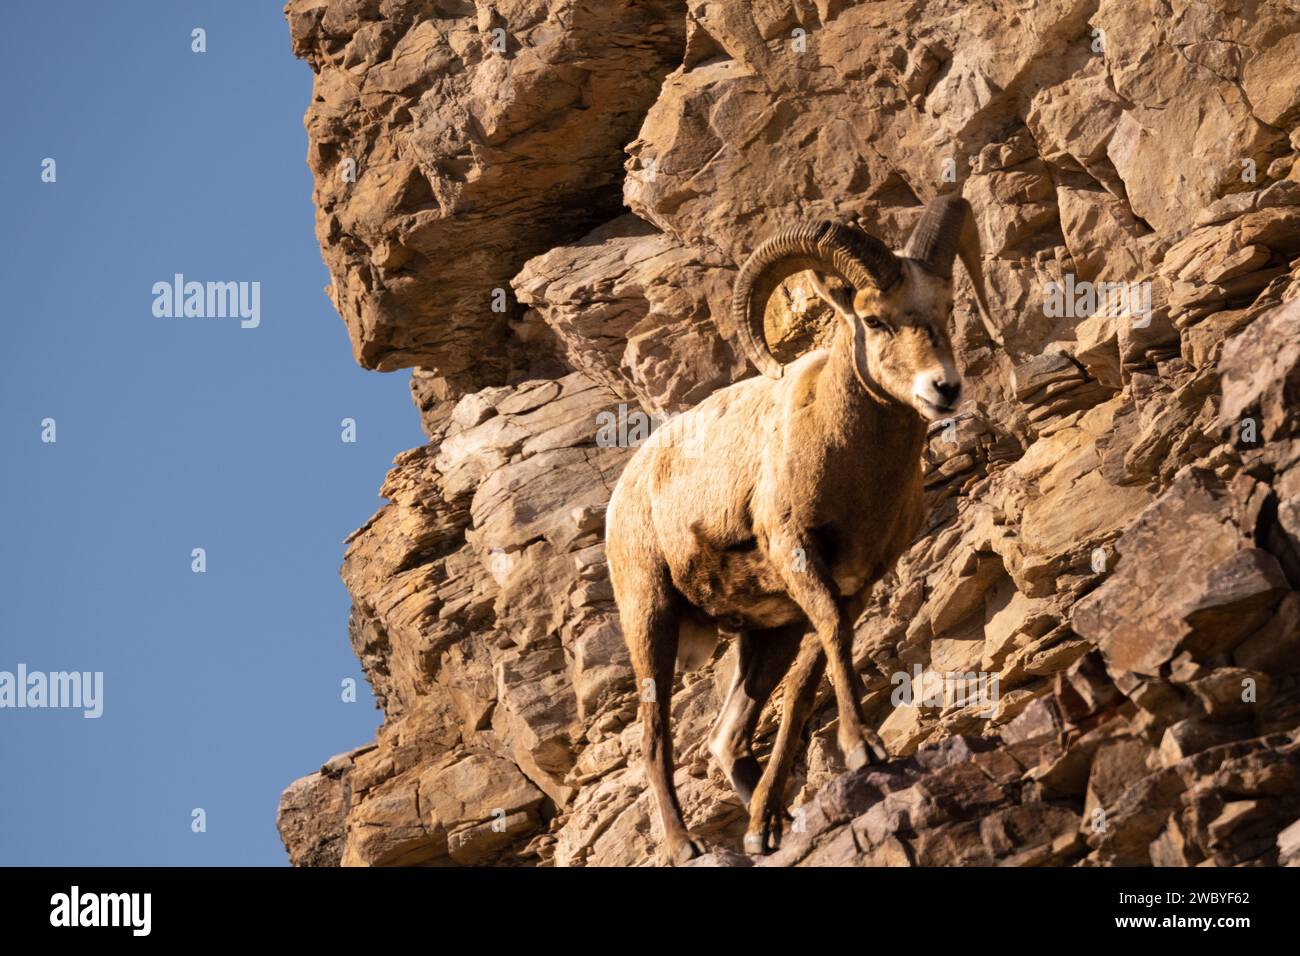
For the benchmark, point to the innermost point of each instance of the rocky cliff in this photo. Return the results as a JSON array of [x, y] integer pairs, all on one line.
[[539, 206]]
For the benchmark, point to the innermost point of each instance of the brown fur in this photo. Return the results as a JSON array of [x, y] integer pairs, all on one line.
[[770, 509]]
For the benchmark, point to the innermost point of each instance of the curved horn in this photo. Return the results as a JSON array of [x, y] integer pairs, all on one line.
[[947, 229], [935, 239], [849, 254]]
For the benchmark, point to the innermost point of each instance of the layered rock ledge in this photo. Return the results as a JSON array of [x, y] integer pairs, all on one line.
[[543, 214]]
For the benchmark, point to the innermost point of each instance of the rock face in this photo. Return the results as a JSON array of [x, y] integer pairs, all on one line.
[[451, 141], [550, 204]]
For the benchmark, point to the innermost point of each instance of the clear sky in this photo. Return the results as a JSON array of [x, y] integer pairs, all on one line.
[[172, 434]]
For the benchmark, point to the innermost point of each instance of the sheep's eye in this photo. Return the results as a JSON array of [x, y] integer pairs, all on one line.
[[872, 322]]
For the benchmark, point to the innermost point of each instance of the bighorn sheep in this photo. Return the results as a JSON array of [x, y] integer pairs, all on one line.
[[807, 489]]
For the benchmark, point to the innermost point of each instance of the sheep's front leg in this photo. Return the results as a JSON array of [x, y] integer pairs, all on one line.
[[809, 584]]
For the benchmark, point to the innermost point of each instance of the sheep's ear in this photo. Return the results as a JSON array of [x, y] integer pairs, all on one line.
[[835, 293]]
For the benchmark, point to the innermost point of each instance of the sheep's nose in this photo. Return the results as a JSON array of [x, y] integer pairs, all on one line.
[[948, 391]]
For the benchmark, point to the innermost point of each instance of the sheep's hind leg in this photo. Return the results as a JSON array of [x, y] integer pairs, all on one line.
[[767, 810], [650, 629], [763, 659]]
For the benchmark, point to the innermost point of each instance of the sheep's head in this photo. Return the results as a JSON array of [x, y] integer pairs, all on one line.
[[896, 309]]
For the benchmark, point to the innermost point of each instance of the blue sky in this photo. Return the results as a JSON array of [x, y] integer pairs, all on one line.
[[172, 434]]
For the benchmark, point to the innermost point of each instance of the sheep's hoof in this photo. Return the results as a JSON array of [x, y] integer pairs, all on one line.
[[858, 757], [870, 751], [767, 840], [683, 854], [768, 837]]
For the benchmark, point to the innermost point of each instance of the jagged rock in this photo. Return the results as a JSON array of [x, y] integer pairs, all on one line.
[[1112, 546], [477, 137], [1261, 374], [1143, 616], [628, 314], [1288, 845], [483, 803], [313, 813]]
